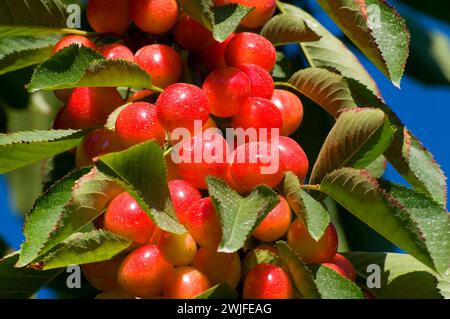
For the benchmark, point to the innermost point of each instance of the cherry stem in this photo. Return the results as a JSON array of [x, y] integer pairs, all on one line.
[[311, 187]]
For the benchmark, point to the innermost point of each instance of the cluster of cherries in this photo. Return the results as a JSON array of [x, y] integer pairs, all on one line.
[[237, 91]]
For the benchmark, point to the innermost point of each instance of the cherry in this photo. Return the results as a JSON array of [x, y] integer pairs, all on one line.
[[172, 171], [91, 106], [73, 39], [183, 195], [203, 223], [154, 16], [219, 267], [292, 157], [275, 224], [266, 281], [191, 35], [185, 283], [143, 272], [161, 62], [108, 16], [179, 250], [117, 51], [95, 144], [103, 275], [263, 11], [291, 109], [125, 218], [63, 95], [336, 268], [62, 120], [138, 123], [227, 89], [309, 250], [251, 259], [251, 48], [343, 266], [213, 56], [261, 81]]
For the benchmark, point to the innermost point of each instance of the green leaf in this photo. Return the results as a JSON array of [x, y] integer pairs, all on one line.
[[35, 31], [111, 122], [256, 257], [370, 24], [25, 148], [332, 285], [287, 28], [378, 167], [142, 171], [85, 248], [305, 206], [239, 216], [21, 283], [283, 67], [221, 291], [48, 13], [359, 136]]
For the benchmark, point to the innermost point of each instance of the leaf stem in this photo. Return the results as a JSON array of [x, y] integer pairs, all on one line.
[[311, 187]]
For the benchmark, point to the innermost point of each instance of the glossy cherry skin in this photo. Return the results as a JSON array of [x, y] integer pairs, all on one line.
[[116, 51], [103, 275], [266, 281], [183, 195], [125, 218], [309, 250], [185, 283], [251, 48], [343, 266], [202, 156], [91, 106], [161, 62], [74, 39], [251, 259], [203, 223], [108, 16], [291, 109], [292, 157], [62, 120], [219, 267], [191, 35], [138, 123], [95, 144], [254, 164], [261, 81], [213, 56], [143, 272], [228, 89], [275, 224], [179, 250], [154, 16], [263, 11]]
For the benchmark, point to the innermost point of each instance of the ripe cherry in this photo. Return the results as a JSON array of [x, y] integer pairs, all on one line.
[[103, 275], [91, 106], [138, 123], [74, 39], [143, 272], [292, 157], [179, 250], [154, 16], [309, 250], [291, 109], [125, 218], [213, 56], [266, 281], [62, 120], [219, 267], [117, 51], [161, 62], [227, 89], [263, 11], [63, 95], [251, 259], [183, 195], [275, 224], [109, 16], [185, 283], [251, 48], [203, 223], [191, 35], [261, 81], [95, 144], [346, 268]]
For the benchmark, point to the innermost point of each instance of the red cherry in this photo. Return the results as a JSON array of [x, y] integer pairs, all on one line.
[[143, 272], [227, 89], [185, 283], [213, 56], [62, 120], [291, 109], [336, 268], [161, 62], [191, 35], [345, 265], [263, 11], [180, 105], [116, 51], [251, 48], [103, 275], [276, 223], [292, 157], [267, 281], [73, 39], [63, 95], [95, 144], [261, 81], [154, 16], [91, 106], [138, 123], [183, 196], [179, 250], [108, 16], [125, 218]]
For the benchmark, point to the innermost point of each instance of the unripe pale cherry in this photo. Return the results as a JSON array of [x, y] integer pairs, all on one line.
[[219, 267], [291, 109], [125, 218], [183, 195], [261, 81], [138, 123], [346, 268], [292, 157], [154, 16], [143, 272], [228, 89], [266, 281], [108, 16], [103, 275], [185, 283], [263, 11], [74, 39], [251, 48], [309, 250], [95, 144], [275, 224], [179, 250], [191, 35], [161, 62], [116, 51], [213, 56]]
